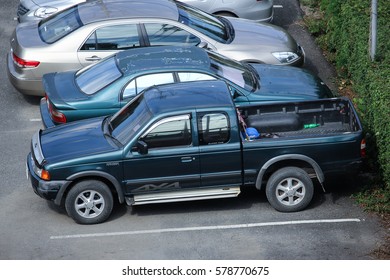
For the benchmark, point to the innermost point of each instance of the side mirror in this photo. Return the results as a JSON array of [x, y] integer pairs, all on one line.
[[203, 45], [142, 147]]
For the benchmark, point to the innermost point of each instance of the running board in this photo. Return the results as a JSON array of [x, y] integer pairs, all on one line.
[[183, 195]]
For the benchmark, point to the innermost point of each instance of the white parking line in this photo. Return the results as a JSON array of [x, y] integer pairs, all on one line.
[[152, 231]]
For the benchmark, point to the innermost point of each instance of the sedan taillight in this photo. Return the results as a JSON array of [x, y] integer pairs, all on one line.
[[56, 116], [24, 63]]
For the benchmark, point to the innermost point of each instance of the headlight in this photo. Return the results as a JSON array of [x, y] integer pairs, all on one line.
[[42, 173], [285, 57], [45, 12]]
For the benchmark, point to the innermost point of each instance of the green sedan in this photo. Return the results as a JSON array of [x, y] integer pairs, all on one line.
[[103, 88]]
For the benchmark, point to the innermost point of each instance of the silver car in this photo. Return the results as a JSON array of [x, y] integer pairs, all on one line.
[[88, 32], [250, 9]]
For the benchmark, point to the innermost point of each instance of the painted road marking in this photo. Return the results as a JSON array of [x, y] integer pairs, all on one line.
[[166, 230]]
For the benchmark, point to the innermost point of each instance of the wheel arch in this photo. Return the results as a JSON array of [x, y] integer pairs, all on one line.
[[296, 160], [108, 179]]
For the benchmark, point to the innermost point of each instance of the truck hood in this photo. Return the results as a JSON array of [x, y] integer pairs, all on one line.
[[75, 140], [291, 82]]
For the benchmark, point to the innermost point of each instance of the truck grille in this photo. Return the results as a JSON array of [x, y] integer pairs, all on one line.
[[22, 10]]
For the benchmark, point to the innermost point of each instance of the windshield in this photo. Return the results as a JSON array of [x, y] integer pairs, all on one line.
[[233, 71], [59, 25], [97, 76], [126, 123], [204, 23]]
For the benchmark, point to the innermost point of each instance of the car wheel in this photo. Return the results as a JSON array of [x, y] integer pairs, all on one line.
[[225, 14], [89, 202], [289, 189]]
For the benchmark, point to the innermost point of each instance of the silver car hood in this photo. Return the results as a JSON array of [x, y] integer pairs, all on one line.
[[262, 34]]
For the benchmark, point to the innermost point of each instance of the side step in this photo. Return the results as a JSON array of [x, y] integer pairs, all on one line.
[[183, 195]]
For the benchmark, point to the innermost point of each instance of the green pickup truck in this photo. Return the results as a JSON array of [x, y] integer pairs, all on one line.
[[189, 141]]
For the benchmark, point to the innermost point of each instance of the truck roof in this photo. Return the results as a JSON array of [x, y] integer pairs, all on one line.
[[188, 95]]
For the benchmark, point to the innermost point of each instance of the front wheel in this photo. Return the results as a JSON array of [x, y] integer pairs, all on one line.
[[89, 202], [289, 189]]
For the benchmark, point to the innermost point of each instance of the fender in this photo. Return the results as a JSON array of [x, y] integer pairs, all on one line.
[[320, 175], [94, 173]]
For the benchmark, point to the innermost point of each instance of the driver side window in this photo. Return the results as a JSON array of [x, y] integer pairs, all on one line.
[[169, 132]]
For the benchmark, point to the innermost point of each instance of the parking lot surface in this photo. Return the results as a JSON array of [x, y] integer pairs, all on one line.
[[247, 227]]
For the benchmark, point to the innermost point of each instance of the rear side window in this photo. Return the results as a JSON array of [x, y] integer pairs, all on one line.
[[140, 83], [97, 76], [166, 35], [117, 37], [58, 26], [213, 128]]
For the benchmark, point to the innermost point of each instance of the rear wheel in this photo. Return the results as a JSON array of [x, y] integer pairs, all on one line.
[[289, 189], [89, 202]]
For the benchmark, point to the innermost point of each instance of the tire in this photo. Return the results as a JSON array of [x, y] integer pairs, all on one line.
[[89, 202], [289, 189]]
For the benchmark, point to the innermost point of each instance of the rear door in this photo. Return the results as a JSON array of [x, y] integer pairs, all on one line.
[[219, 150]]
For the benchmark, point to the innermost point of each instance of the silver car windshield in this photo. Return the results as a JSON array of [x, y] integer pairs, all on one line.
[[59, 25], [233, 71], [204, 23], [97, 76]]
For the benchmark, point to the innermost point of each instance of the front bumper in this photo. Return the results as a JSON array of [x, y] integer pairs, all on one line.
[[50, 190]]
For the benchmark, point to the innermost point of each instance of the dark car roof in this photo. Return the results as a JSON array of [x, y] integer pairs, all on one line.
[[115, 9], [189, 95], [167, 57]]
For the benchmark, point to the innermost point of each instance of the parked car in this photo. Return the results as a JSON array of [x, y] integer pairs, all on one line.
[[102, 88], [29, 10], [188, 141], [88, 32]]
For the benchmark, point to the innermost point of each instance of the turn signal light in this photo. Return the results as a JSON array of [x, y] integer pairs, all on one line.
[[45, 175]]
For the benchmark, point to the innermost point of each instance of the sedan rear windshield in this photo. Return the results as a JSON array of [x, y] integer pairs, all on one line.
[[204, 23], [59, 25], [97, 76]]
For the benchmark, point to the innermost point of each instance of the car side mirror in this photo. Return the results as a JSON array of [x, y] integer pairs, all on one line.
[[141, 147], [203, 45]]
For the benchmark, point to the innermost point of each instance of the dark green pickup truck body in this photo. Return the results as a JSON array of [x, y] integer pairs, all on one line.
[[188, 141]]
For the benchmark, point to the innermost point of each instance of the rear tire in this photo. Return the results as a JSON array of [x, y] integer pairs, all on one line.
[[89, 202], [289, 189]]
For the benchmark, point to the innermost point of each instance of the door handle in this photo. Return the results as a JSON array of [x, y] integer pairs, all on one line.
[[93, 58], [187, 159]]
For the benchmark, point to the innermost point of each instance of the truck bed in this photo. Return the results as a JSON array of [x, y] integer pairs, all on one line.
[[301, 119]]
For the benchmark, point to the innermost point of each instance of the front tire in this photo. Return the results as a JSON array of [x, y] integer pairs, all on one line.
[[289, 189], [89, 202]]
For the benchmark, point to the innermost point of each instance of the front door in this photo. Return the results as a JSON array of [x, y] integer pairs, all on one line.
[[171, 162]]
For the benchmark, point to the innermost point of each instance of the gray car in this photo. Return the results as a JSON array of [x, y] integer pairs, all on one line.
[[88, 32], [250, 9]]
